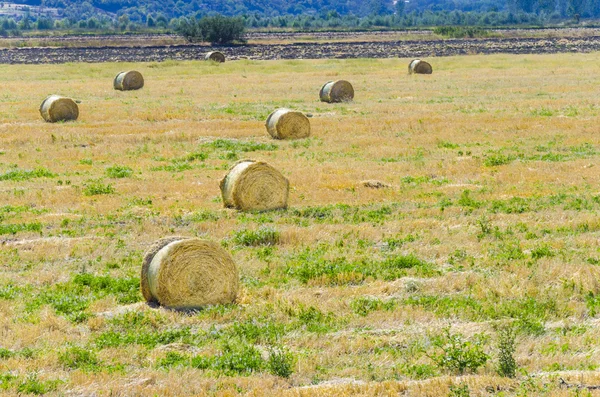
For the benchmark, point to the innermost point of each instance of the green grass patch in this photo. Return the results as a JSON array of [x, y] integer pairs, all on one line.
[[72, 298], [119, 171], [14, 228], [17, 175], [96, 187], [311, 264], [253, 238]]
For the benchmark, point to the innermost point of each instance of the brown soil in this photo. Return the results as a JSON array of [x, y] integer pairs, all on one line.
[[358, 49]]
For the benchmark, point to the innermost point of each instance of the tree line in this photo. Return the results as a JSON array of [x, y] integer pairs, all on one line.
[[131, 15]]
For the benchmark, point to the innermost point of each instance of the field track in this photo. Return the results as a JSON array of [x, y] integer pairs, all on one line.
[[339, 50]]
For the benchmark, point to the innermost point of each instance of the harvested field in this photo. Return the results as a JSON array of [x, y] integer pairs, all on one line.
[[429, 222], [305, 50]]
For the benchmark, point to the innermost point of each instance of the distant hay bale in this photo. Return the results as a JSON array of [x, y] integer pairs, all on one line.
[[188, 273], [58, 108], [337, 91], [254, 186], [419, 67], [126, 81], [215, 56], [287, 124]]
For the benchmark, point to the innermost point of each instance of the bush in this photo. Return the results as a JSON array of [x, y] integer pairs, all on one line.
[[217, 29]]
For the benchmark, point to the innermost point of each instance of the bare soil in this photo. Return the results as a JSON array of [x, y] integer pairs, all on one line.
[[360, 49]]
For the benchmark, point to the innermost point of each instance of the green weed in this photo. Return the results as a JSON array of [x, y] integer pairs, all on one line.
[[119, 171], [457, 354], [281, 363], [253, 238], [20, 227], [507, 365], [17, 175], [96, 187], [76, 357]]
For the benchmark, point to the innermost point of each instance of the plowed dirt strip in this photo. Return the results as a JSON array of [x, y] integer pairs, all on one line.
[[391, 49]]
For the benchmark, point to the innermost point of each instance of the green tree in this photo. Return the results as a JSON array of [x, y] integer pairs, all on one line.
[[123, 22], [222, 30], [399, 7], [45, 23], [26, 21], [379, 7]]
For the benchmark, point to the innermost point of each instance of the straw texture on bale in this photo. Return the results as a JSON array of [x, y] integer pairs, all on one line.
[[288, 124], [215, 56], [130, 80], [58, 108], [337, 91], [254, 186], [188, 273], [419, 67]]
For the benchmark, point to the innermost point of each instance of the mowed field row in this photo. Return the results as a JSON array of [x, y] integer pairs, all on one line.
[[54, 51], [489, 228]]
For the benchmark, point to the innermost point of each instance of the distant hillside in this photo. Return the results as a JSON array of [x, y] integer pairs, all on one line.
[[139, 9], [317, 13], [176, 8]]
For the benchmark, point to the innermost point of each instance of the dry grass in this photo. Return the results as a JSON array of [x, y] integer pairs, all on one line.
[[333, 285]]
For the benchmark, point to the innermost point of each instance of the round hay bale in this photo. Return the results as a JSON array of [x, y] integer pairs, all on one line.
[[188, 273], [337, 91], [419, 67], [59, 108], [287, 124], [215, 56], [130, 80], [254, 186]]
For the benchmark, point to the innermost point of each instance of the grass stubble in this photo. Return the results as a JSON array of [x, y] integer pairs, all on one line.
[[491, 222]]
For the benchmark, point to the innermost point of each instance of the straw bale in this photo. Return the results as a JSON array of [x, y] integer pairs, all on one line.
[[188, 273], [254, 186], [418, 66], [126, 81], [58, 108], [337, 91], [215, 56], [287, 124]]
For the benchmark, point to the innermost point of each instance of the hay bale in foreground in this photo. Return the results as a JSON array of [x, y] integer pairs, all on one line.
[[287, 124], [126, 81], [188, 273], [59, 108], [254, 186], [215, 56], [418, 66], [337, 91]]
